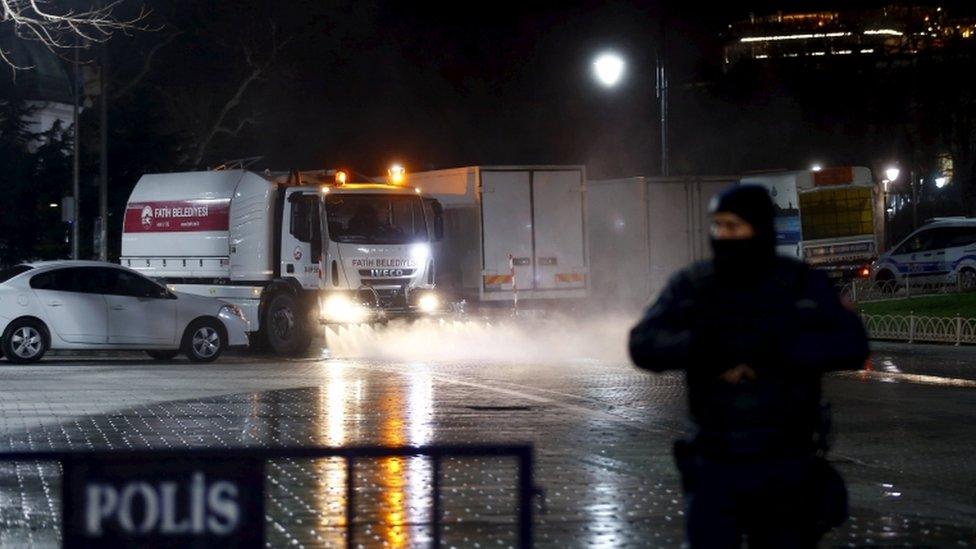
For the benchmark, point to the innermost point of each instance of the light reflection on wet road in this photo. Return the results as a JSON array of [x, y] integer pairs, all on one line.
[[602, 434]]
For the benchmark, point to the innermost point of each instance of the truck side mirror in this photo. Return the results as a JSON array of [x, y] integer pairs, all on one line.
[[438, 220]]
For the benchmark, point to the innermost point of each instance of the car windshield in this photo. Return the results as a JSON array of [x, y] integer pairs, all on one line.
[[375, 218], [10, 272]]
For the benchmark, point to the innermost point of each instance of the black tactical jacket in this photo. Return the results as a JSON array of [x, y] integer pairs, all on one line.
[[788, 324]]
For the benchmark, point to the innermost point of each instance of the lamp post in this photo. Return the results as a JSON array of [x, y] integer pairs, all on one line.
[[609, 70], [884, 213], [76, 157], [891, 174], [911, 181]]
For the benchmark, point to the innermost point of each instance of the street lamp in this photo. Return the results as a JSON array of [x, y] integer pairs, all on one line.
[[609, 69], [816, 168], [886, 211], [892, 173]]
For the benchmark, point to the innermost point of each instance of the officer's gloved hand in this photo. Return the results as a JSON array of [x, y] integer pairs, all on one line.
[[756, 345], [739, 374]]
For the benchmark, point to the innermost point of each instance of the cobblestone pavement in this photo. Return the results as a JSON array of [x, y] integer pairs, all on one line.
[[602, 434]]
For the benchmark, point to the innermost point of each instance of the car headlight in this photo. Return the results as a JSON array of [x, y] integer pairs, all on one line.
[[234, 310], [341, 308], [428, 303]]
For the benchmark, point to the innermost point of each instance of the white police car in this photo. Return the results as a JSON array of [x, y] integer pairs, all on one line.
[[94, 305], [940, 252]]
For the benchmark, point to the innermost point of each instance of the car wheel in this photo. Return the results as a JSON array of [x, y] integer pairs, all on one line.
[[967, 280], [204, 340], [162, 355], [285, 328], [885, 282], [25, 341]]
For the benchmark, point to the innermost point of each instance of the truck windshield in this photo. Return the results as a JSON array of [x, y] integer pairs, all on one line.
[[375, 218]]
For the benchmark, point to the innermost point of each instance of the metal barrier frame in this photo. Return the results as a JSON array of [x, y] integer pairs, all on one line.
[[929, 329], [523, 453], [868, 290]]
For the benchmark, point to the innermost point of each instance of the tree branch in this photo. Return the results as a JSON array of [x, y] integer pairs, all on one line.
[[31, 20], [256, 72], [240, 126], [145, 66]]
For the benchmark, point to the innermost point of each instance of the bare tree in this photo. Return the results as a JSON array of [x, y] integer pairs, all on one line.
[[256, 70], [59, 28], [123, 88]]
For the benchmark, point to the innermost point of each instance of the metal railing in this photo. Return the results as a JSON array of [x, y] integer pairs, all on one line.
[[522, 454], [912, 328], [861, 290]]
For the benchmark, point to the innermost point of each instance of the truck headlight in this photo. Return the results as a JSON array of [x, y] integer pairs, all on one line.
[[420, 252], [428, 303], [342, 309]]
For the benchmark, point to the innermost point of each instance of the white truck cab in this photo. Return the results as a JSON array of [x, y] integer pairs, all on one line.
[[291, 249]]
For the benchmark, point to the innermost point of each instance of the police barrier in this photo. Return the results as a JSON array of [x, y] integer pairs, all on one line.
[[215, 497], [913, 328], [863, 290]]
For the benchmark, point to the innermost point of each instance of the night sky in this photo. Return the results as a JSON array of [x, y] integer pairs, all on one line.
[[436, 86]]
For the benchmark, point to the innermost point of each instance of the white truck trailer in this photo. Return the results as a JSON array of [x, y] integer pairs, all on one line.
[[511, 232], [643, 229], [829, 218], [293, 250]]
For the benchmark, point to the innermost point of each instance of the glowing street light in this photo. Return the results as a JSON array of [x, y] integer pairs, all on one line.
[[941, 182], [608, 69], [816, 167], [892, 172]]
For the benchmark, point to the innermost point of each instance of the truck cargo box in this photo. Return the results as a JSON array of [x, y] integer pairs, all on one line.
[[190, 225], [641, 230], [526, 219]]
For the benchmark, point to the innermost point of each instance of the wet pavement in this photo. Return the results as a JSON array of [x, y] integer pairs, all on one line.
[[944, 361], [602, 434]]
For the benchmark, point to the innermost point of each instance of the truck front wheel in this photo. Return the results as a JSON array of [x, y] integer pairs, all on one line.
[[285, 327]]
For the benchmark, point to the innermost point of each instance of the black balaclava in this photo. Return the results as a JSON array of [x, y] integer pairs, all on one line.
[[741, 258]]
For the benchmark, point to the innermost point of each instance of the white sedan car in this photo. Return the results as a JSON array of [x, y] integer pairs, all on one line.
[[94, 305]]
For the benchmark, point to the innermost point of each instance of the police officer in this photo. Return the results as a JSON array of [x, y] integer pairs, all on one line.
[[753, 332]]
